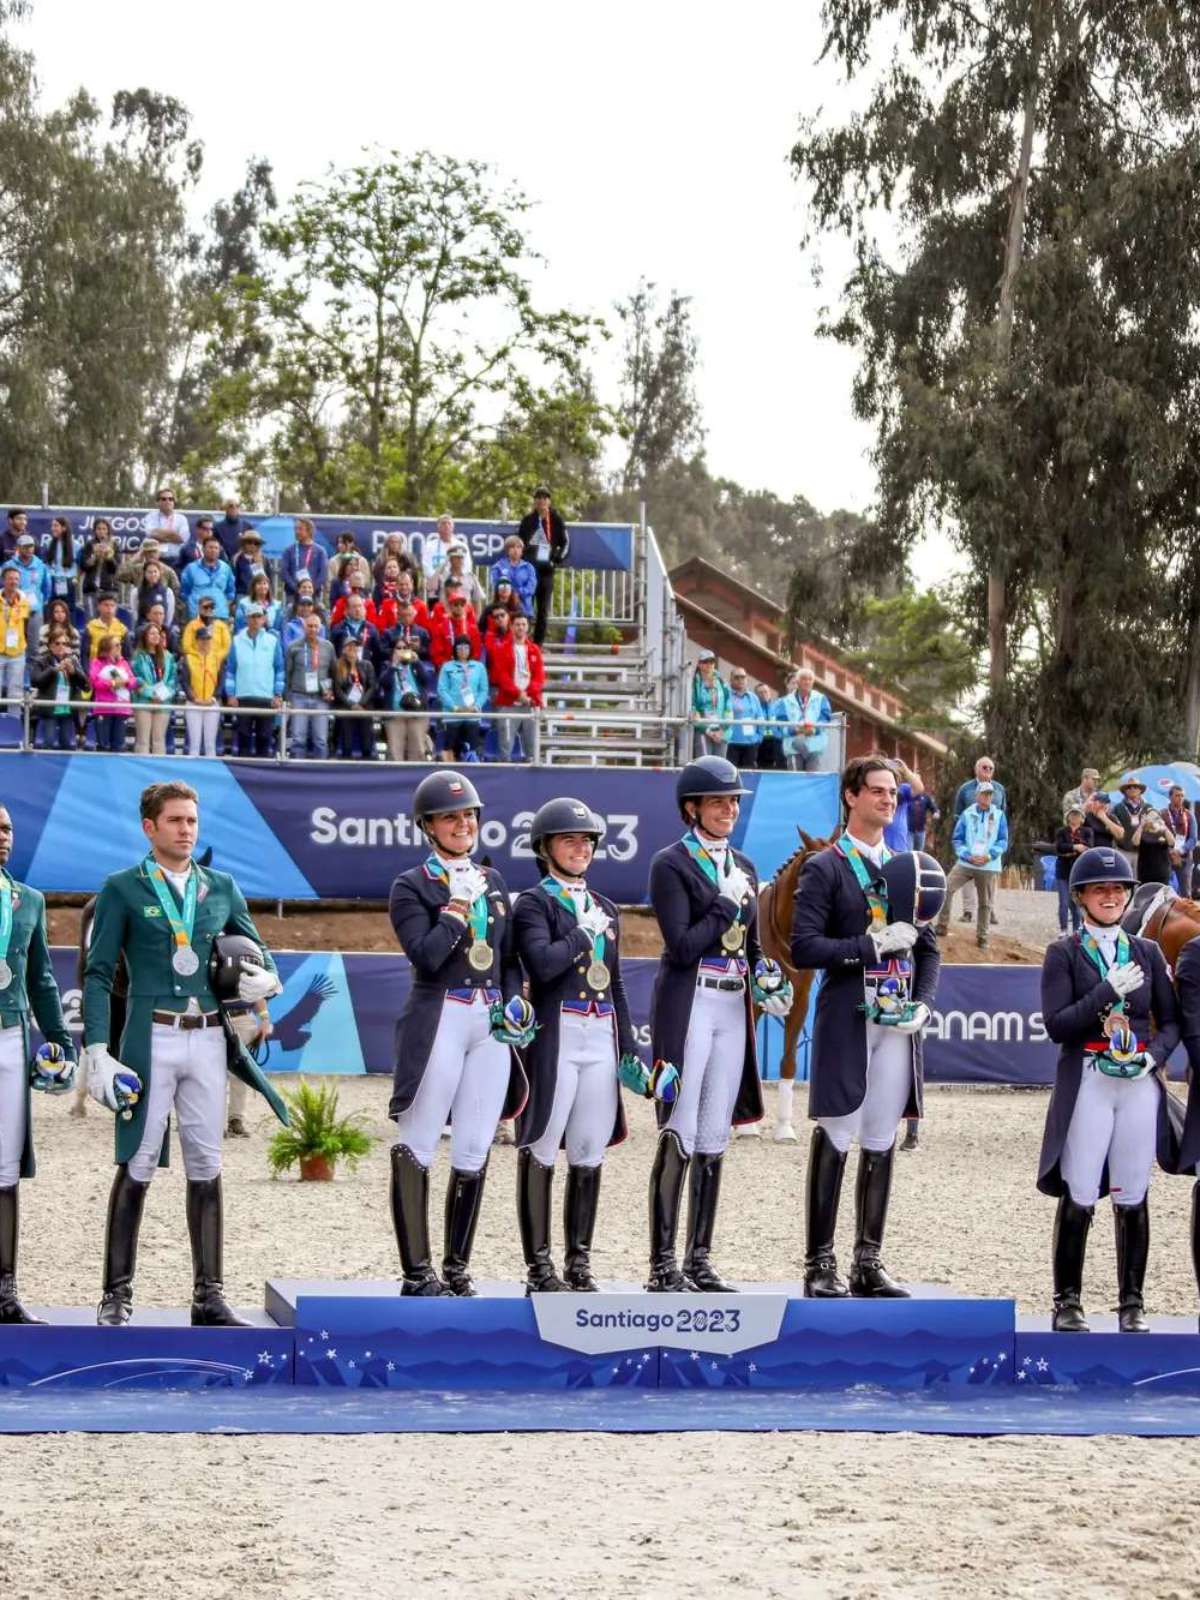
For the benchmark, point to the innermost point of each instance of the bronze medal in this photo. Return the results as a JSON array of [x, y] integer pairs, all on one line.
[[480, 956], [598, 975], [733, 938]]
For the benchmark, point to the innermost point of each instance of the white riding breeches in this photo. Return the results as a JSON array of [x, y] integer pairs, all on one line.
[[13, 1076], [585, 1092], [465, 1079], [889, 1083], [1114, 1120], [713, 1055], [187, 1074]]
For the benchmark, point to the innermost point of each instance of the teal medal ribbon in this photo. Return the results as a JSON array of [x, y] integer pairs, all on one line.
[[598, 974], [6, 925], [874, 888], [885, 1001], [184, 959], [734, 936], [1121, 1057], [480, 953]]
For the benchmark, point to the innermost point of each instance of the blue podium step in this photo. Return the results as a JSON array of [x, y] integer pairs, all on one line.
[[366, 1335], [1166, 1360], [158, 1349]]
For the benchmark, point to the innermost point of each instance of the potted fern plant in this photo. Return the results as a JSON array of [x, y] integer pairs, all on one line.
[[317, 1138]]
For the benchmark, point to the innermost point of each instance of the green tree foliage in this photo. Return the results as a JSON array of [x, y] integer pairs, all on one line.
[[404, 330], [93, 266], [912, 642], [1028, 343]]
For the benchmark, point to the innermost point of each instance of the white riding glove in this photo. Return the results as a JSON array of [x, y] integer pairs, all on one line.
[[102, 1069], [256, 983], [894, 939], [915, 1023], [595, 920], [735, 885], [777, 1005], [1125, 977], [467, 882]]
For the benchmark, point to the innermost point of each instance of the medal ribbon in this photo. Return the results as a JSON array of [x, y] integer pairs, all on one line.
[[1096, 956], [183, 922], [478, 914], [558, 892], [705, 862], [875, 889], [6, 913]]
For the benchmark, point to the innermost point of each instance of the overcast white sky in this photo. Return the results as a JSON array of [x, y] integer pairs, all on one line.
[[653, 136]]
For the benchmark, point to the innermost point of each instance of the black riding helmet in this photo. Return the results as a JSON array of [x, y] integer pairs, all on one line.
[[708, 775], [441, 792], [1101, 865], [564, 815], [232, 955]]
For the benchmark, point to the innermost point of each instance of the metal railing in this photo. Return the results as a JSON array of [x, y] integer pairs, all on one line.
[[643, 738]]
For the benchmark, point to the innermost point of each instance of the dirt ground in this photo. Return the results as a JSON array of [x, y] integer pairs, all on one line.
[[696, 1516]]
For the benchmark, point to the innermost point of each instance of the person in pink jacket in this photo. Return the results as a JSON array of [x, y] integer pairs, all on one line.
[[112, 692]]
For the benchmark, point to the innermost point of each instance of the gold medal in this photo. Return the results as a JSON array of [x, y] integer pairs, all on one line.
[[480, 956], [733, 937], [598, 975]]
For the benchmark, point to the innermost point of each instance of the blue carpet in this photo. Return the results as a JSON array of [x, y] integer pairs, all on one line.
[[980, 1412]]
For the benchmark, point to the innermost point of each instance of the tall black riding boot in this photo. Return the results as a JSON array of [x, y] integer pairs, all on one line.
[[206, 1230], [1133, 1250], [1196, 1232], [872, 1190], [703, 1195], [535, 1184], [11, 1309], [580, 1203], [1071, 1224], [464, 1196], [410, 1219], [823, 1193], [666, 1192], [126, 1202]]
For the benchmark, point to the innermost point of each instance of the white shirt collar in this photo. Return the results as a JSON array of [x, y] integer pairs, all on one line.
[[873, 852]]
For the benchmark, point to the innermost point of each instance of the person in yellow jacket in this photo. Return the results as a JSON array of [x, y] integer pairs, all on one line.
[[201, 665], [14, 615], [222, 633]]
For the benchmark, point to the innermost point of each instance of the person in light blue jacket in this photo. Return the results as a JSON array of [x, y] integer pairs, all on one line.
[[254, 680], [710, 708], [212, 578], [34, 574], [980, 840], [807, 713], [513, 568], [745, 712], [462, 685]]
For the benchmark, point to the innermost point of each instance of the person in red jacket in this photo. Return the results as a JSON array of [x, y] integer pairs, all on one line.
[[405, 590], [448, 622], [518, 677]]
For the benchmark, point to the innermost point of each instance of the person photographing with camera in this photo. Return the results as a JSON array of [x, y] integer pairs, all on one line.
[[405, 684]]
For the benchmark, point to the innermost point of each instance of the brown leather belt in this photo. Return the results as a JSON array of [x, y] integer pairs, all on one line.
[[181, 1019]]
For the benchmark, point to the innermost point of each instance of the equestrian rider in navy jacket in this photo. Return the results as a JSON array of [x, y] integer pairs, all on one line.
[[455, 1043]]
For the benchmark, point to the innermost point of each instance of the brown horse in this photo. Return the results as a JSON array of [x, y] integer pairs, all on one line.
[[1167, 919], [775, 901]]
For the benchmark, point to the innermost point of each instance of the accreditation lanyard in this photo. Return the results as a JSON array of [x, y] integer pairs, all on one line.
[[181, 922], [706, 863], [564, 897], [1099, 960], [478, 914], [874, 888]]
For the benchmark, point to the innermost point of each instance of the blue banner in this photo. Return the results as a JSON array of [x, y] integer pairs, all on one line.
[[337, 1014], [597, 546], [312, 831]]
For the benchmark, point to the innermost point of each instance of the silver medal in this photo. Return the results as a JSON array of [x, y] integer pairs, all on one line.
[[185, 961], [6, 974]]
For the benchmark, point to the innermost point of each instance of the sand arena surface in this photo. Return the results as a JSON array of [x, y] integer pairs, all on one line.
[[687, 1515]]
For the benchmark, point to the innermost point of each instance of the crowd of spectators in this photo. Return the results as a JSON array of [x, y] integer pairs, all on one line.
[[197, 620], [1159, 842], [753, 726]]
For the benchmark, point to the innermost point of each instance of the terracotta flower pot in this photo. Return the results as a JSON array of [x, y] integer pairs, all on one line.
[[316, 1169]]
